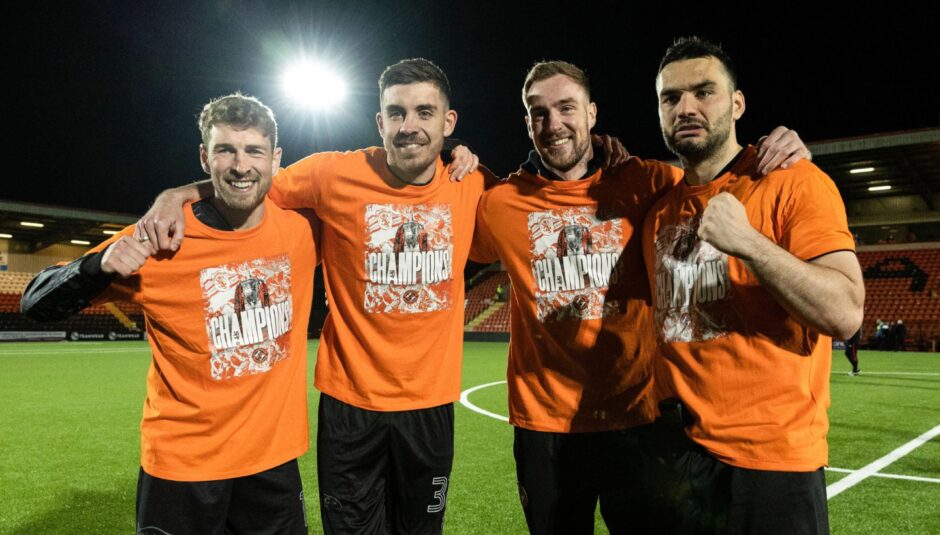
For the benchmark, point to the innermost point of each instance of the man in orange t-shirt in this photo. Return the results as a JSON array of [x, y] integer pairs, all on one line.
[[581, 345], [396, 233], [750, 277], [225, 416]]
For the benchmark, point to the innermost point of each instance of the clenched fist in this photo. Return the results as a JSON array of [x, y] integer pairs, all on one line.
[[125, 256], [725, 226]]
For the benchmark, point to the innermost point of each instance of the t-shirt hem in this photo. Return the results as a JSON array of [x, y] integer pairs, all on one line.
[[569, 427], [361, 403], [174, 475], [769, 465]]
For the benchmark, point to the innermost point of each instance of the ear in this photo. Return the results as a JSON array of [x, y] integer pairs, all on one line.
[[204, 159], [276, 162], [378, 122], [528, 127], [592, 115], [737, 100], [450, 122]]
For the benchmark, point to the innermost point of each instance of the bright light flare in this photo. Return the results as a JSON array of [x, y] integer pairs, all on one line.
[[314, 85]]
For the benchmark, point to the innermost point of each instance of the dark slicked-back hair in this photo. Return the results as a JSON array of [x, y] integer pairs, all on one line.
[[696, 47], [544, 70], [240, 111], [413, 71]]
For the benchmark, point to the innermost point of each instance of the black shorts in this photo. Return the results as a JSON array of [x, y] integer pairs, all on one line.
[[383, 472], [267, 502], [562, 476], [704, 495]]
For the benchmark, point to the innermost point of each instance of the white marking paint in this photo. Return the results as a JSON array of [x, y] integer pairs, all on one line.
[[465, 401], [875, 466], [862, 374], [888, 476]]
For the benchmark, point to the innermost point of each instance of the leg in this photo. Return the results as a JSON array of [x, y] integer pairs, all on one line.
[[778, 502], [628, 480], [421, 445], [853, 358], [352, 462], [270, 502], [557, 481], [181, 507]]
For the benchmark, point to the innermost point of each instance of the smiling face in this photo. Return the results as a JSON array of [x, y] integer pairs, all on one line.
[[241, 162], [413, 123], [559, 119], [698, 107]]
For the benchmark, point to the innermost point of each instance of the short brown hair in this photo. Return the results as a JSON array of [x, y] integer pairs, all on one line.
[[413, 71], [544, 70], [240, 111]]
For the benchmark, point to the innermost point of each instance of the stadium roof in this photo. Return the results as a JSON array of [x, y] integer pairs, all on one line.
[[907, 161], [59, 225]]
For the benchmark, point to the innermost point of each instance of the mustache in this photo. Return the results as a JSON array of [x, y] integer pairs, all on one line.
[[691, 122], [409, 138], [251, 174]]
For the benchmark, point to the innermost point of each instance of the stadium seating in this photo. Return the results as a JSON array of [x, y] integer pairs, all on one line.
[[903, 285], [482, 294]]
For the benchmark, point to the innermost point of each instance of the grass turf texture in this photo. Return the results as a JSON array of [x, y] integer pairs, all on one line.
[[70, 418]]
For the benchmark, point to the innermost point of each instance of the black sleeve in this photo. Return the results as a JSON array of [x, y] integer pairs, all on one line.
[[57, 292]]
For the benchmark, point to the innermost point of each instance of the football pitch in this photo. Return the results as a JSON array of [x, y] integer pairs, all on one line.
[[70, 416]]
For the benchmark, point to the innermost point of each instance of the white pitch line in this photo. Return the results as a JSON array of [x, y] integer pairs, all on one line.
[[465, 401], [872, 468], [891, 373], [888, 476]]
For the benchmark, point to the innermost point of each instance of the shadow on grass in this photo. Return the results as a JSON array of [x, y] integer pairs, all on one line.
[[82, 512]]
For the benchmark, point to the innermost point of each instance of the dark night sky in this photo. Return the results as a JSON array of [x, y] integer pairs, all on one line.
[[105, 93]]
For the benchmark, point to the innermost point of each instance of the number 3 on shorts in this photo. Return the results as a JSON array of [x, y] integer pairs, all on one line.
[[440, 495]]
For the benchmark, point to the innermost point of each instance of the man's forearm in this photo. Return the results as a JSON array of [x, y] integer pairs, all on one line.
[[826, 294], [190, 192], [58, 292]]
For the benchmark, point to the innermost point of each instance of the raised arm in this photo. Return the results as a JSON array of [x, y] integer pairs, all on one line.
[[57, 292], [826, 293]]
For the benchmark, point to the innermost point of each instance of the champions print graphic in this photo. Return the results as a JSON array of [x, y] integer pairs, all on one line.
[[574, 261], [408, 258], [692, 285], [248, 311]]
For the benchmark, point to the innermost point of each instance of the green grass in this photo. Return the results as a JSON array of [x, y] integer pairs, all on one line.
[[70, 419]]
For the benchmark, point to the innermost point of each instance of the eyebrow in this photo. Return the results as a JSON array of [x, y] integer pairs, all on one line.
[[227, 146], [700, 85], [569, 100], [419, 107]]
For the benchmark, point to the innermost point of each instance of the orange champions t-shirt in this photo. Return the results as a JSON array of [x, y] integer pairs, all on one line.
[[581, 326], [755, 381], [226, 317], [393, 259]]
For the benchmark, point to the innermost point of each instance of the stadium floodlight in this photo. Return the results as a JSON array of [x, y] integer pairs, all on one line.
[[80, 242], [860, 170], [31, 224], [879, 188], [5, 235], [313, 85], [109, 232]]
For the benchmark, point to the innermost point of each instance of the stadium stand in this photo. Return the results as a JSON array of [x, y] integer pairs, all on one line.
[[903, 283], [482, 293]]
